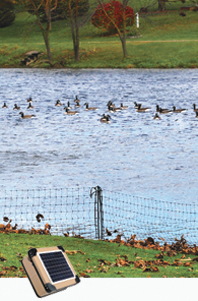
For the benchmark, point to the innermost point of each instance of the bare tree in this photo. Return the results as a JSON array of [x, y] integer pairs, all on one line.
[[48, 6], [77, 13]]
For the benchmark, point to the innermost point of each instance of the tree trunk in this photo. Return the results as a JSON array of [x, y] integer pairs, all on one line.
[[123, 40], [46, 39], [161, 5], [76, 48]]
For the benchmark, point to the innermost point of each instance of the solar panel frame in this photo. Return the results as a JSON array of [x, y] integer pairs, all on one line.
[[38, 275]]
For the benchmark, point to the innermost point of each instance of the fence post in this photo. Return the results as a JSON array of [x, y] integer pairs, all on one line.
[[98, 211]]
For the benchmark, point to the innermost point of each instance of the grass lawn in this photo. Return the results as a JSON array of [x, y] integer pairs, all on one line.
[[168, 41], [92, 258]]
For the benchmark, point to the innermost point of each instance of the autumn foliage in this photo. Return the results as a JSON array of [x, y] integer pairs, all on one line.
[[112, 11]]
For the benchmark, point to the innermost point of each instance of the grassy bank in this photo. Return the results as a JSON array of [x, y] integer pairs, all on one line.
[[92, 258], [168, 41]]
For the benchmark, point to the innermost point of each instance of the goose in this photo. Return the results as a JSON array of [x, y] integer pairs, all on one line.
[[110, 104], [111, 109], [70, 112], [196, 114], [105, 118], [164, 111], [156, 116], [68, 105], [58, 103], [142, 110], [77, 105], [29, 99], [178, 110], [194, 107], [123, 107], [76, 99], [16, 107], [137, 105], [30, 106], [4, 106], [26, 116], [89, 108], [158, 109]]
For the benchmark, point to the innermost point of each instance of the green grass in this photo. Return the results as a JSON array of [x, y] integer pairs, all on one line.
[[93, 259], [154, 49]]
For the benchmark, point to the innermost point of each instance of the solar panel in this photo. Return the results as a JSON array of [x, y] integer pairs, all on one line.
[[56, 266], [49, 270]]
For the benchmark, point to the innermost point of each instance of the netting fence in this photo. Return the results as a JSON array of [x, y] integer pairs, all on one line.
[[90, 211]]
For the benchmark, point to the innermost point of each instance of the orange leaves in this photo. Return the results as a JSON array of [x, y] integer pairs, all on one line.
[[9, 229]]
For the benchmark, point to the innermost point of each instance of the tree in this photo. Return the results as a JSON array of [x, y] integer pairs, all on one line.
[[124, 16], [48, 6], [77, 12], [7, 14], [114, 9]]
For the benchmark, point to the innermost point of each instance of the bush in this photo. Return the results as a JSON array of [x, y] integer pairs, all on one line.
[[115, 11], [7, 14]]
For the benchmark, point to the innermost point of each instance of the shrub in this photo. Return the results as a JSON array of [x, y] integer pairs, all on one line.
[[115, 11], [7, 14]]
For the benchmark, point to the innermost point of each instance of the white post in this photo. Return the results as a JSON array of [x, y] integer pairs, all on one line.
[[137, 19]]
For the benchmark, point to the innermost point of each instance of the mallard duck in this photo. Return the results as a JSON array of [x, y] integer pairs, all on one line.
[[178, 110], [4, 106], [16, 107], [58, 103], [142, 110], [105, 118], [123, 107], [26, 116], [30, 106], [29, 99], [156, 116], [70, 112], [89, 108]]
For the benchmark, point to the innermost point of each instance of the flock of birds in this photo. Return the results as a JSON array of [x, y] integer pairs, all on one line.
[[111, 108]]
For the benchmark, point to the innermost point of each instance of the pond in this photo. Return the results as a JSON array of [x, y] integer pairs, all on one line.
[[133, 154]]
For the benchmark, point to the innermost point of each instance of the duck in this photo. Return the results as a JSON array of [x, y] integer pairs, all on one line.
[[89, 108], [123, 107], [70, 112], [76, 99], [137, 105], [77, 105], [178, 110], [58, 103], [112, 109], [30, 106], [4, 106], [142, 110], [105, 118], [158, 109], [68, 105], [16, 107], [156, 116], [26, 116], [29, 99], [194, 107]]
